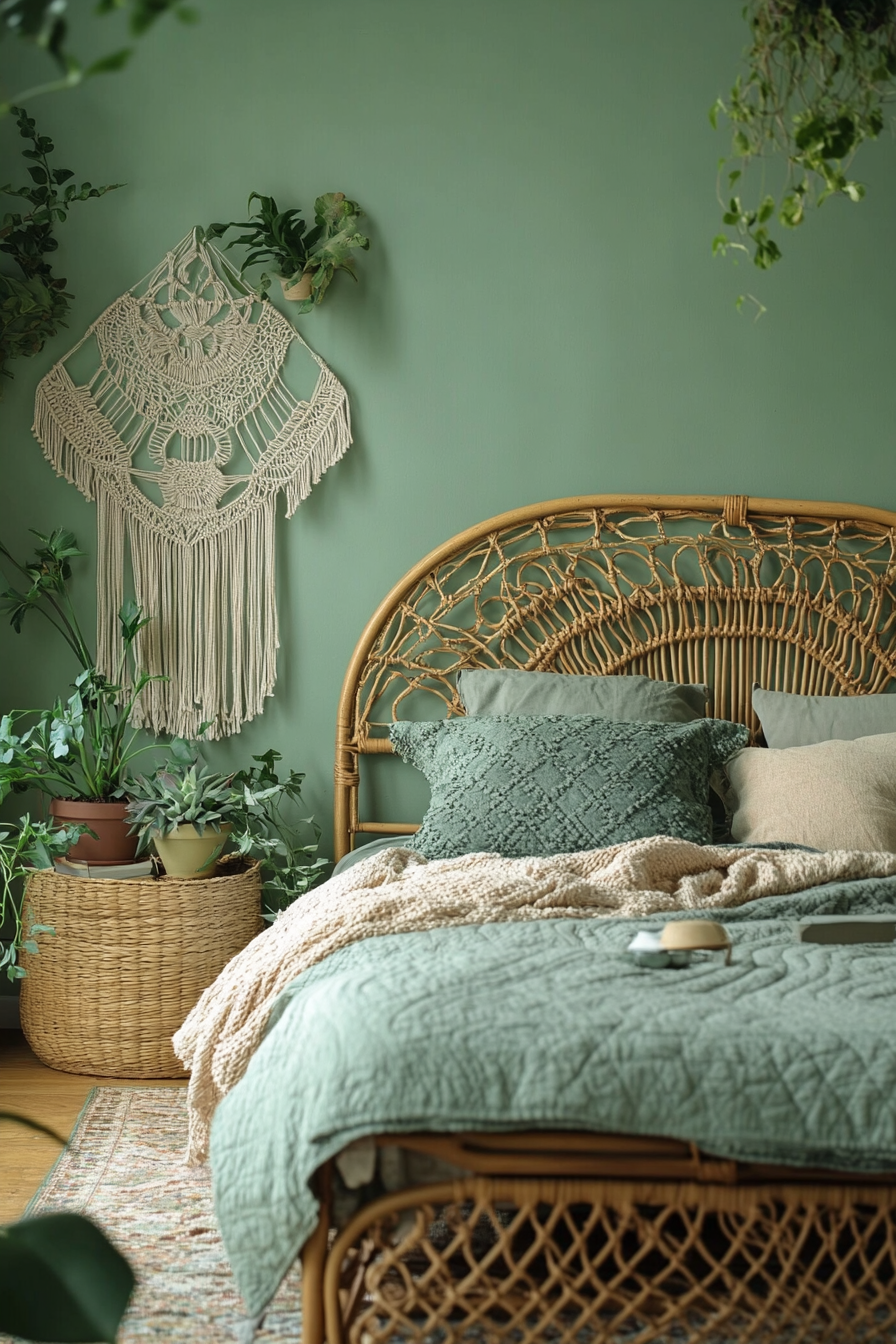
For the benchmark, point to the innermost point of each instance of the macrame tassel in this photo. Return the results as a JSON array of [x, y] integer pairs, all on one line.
[[214, 632], [110, 533]]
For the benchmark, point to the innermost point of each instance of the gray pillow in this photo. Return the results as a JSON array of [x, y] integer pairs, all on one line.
[[552, 784], [801, 720], [632, 699]]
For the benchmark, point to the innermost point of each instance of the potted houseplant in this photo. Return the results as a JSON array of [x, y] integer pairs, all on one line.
[[187, 809], [184, 809], [306, 259], [81, 751]]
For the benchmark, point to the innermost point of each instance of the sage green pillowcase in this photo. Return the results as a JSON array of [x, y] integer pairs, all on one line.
[[802, 720], [553, 784], [630, 699]]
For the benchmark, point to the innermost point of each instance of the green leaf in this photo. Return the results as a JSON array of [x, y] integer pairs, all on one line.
[[28, 1123], [766, 209], [61, 1280], [116, 60]]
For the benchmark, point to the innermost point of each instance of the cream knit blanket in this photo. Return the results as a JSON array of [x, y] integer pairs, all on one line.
[[397, 891]]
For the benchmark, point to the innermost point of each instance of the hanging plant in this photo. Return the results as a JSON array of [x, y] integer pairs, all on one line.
[[305, 259], [34, 307], [818, 75]]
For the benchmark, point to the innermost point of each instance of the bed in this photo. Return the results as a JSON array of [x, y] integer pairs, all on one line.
[[614, 1236]]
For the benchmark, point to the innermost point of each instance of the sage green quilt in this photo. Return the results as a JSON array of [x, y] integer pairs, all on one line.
[[786, 1055]]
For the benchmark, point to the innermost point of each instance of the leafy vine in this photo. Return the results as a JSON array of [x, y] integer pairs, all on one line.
[[819, 73], [33, 307]]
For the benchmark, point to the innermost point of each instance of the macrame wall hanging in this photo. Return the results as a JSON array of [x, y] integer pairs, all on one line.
[[173, 413]]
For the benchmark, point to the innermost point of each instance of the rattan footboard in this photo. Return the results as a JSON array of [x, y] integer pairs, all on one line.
[[671, 1246]]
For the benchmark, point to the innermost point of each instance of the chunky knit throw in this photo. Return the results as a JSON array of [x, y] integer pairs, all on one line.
[[398, 891]]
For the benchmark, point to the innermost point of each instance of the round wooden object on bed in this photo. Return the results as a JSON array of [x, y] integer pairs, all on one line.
[[127, 962]]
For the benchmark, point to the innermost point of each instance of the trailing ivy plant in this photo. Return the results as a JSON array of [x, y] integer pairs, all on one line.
[[285, 843], [44, 24], [34, 305], [818, 75], [24, 846]]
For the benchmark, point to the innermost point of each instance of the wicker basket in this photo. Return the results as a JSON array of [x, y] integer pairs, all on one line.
[[128, 962]]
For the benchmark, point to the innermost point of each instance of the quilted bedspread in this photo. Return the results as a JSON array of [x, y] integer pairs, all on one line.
[[786, 1055]]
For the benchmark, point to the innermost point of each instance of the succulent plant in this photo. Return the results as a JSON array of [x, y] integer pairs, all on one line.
[[184, 793], [263, 810]]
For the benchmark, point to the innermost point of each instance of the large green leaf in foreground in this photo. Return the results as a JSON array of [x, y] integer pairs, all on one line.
[[61, 1281]]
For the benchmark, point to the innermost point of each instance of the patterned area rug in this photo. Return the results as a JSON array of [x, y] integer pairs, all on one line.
[[123, 1169]]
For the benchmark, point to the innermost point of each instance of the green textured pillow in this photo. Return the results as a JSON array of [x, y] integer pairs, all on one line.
[[554, 784], [802, 720], [634, 698]]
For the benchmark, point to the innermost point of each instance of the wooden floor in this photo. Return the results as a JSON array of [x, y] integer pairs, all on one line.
[[28, 1087]]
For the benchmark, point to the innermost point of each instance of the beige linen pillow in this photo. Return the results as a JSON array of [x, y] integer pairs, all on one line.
[[831, 795]]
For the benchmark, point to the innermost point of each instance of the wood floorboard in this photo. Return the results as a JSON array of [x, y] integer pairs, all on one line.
[[28, 1087]]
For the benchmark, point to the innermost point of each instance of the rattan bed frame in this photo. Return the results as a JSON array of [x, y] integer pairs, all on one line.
[[586, 1236]]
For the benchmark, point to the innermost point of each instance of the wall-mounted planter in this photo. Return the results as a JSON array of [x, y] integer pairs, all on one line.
[[300, 290]]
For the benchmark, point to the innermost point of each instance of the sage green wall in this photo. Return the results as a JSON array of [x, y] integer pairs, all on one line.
[[539, 313]]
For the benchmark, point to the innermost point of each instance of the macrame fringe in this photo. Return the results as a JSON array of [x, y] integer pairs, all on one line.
[[214, 635], [334, 440]]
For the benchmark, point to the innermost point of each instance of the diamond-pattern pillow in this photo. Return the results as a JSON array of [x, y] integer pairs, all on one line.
[[554, 784]]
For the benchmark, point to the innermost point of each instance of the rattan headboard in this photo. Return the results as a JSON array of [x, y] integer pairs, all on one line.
[[725, 590]]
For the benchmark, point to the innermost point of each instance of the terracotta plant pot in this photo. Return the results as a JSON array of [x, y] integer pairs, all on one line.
[[110, 823], [185, 853], [300, 290]]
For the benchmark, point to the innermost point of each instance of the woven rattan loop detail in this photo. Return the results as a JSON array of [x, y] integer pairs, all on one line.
[[724, 590], [346, 779], [735, 510], [128, 961], [612, 1261]]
